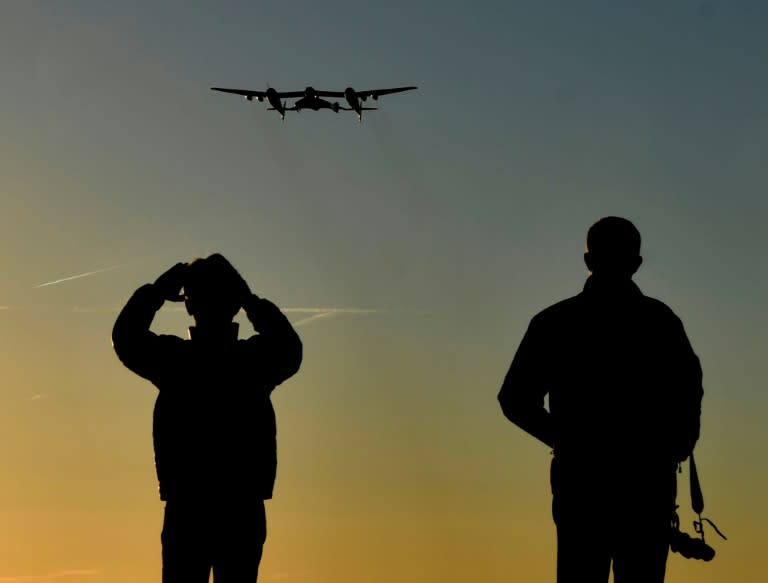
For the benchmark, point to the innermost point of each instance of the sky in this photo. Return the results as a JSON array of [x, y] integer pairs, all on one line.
[[411, 251]]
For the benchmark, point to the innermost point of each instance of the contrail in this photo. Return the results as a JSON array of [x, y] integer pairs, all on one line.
[[313, 313], [334, 310], [79, 275], [323, 313], [320, 316], [291, 310], [319, 313]]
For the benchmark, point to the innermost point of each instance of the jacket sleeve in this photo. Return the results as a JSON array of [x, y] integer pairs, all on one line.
[[277, 344], [138, 348], [523, 391], [686, 391]]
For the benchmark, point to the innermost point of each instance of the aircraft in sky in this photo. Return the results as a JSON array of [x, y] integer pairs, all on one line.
[[311, 98]]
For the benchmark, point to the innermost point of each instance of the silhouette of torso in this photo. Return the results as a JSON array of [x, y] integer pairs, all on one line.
[[624, 390], [214, 425]]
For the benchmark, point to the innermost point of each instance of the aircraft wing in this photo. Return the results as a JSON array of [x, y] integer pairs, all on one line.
[[258, 94], [378, 92], [367, 93], [329, 93]]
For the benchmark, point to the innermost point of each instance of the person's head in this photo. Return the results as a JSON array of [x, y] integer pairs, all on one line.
[[613, 248], [213, 290]]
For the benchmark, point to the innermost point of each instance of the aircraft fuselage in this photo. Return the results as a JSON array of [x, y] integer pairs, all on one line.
[[315, 103]]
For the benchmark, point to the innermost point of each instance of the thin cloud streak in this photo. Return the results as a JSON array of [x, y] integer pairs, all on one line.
[[68, 573], [319, 310], [334, 310], [78, 276], [324, 313], [321, 316], [314, 313]]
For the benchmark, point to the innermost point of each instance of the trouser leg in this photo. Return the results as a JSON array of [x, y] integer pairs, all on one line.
[[240, 534], [184, 551], [582, 552], [641, 550]]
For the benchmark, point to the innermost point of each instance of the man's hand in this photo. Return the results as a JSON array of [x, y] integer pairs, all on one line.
[[262, 313], [251, 303], [170, 283]]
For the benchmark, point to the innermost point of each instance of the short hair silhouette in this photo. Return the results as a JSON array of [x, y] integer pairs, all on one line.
[[613, 247], [213, 288]]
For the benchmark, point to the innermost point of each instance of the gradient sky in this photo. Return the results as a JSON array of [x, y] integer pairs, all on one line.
[[451, 216]]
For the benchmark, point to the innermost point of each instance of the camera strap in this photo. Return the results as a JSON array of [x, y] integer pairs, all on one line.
[[697, 502]]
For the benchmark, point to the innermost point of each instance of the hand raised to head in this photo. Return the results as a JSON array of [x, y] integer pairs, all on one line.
[[250, 301], [169, 284]]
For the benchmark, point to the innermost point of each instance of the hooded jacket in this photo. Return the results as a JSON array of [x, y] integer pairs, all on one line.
[[214, 429]]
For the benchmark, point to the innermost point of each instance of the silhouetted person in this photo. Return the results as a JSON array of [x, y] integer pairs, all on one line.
[[214, 425], [624, 390]]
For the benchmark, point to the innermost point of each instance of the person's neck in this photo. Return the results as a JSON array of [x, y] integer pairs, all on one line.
[[611, 284]]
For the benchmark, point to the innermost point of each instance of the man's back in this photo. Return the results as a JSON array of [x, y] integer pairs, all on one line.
[[623, 382], [624, 391]]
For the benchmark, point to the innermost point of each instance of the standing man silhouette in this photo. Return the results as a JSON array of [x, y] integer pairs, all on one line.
[[214, 427], [624, 390]]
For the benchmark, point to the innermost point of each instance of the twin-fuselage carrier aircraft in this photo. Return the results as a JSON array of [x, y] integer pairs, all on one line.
[[311, 98]]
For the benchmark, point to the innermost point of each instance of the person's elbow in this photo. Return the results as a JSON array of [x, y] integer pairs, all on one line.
[[510, 405], [297, 356], [293, 355], [120, 339], [518, 406]]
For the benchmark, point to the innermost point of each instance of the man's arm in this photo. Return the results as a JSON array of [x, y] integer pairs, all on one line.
[[277, 343], [688, 392], [523, 391], [136, 346]]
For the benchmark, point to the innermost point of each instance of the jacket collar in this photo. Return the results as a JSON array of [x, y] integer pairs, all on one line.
[[606, 286], [226, 333]]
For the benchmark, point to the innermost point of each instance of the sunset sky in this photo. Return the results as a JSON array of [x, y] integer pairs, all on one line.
[[411, 250]]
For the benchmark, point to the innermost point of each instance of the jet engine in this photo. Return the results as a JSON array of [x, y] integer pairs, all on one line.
[[249, 97]]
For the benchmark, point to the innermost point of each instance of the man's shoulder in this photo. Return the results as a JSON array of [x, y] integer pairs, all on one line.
[[655, 307], [560, 309], [573, 306]]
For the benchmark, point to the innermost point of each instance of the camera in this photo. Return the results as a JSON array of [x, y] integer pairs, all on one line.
[[689, 547]]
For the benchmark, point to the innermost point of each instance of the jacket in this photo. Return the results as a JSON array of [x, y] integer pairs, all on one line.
[[214, 429], [624, 386]]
